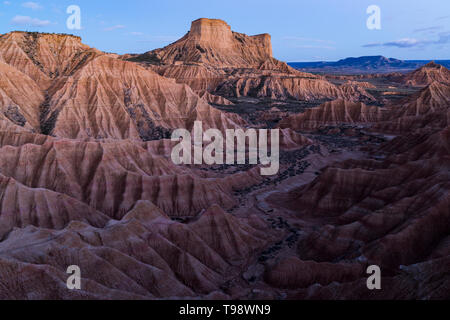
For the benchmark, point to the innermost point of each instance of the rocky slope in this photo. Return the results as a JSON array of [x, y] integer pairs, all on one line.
[[426, 75], [333, 113], [45, 57], [211, 42], [86, 176], [112, 176], [155, 261], [20, 98], [429, 108], [70, 90], [211, 57], [392, 213], [110, 98]]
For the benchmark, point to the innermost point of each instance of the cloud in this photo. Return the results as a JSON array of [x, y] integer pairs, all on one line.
[[405, 43], [6, 3], [31, 5], [429, 29], [28, 21], [444, 38], [136, 33], [402, 43], [116, 27]]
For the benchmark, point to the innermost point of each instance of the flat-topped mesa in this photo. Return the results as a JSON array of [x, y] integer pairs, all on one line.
[[217, 33], [213, 58], [212, 31], [211, 42]]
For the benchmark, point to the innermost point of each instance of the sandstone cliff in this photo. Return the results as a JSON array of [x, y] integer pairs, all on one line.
[[212, 57], [212, 42]]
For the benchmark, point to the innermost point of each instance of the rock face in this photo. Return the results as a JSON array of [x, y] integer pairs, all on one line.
[[20, 98], [280, 87], [45, 57], [125, 101], [390, 210], [156, 261], [211, 42], [432, 72], [333, 113], [70, 90], [429, 108], [211, 57], [74, 130], [22, 206], [112, 176], [356, 91], [392, 213]]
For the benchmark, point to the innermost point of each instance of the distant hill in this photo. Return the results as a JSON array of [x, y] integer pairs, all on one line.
[[431, 72], [361, 65]]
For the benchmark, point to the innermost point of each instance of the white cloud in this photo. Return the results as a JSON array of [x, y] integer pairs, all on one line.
[[28, 21], [429, 29], [401, 43], [31, 5], [404, 43], [116, 27], [444, 39]]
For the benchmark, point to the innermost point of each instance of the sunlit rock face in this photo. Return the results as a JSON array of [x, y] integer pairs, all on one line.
[[211, 57], [212, 42]]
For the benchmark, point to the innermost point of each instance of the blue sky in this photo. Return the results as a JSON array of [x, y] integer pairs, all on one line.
[[302, 30]]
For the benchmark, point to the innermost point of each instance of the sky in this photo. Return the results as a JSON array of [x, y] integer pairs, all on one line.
[[301, 30]]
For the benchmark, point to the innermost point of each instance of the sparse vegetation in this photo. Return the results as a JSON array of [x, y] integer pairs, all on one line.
[[35, 34]]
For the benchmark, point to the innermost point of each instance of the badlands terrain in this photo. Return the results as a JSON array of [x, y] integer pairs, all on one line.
[[86, 176]]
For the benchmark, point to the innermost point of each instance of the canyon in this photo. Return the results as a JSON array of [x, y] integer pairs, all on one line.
[[87, 179]]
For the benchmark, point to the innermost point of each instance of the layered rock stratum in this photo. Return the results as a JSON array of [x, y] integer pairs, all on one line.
[[426, 75], [73, 91], [212, 57]]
